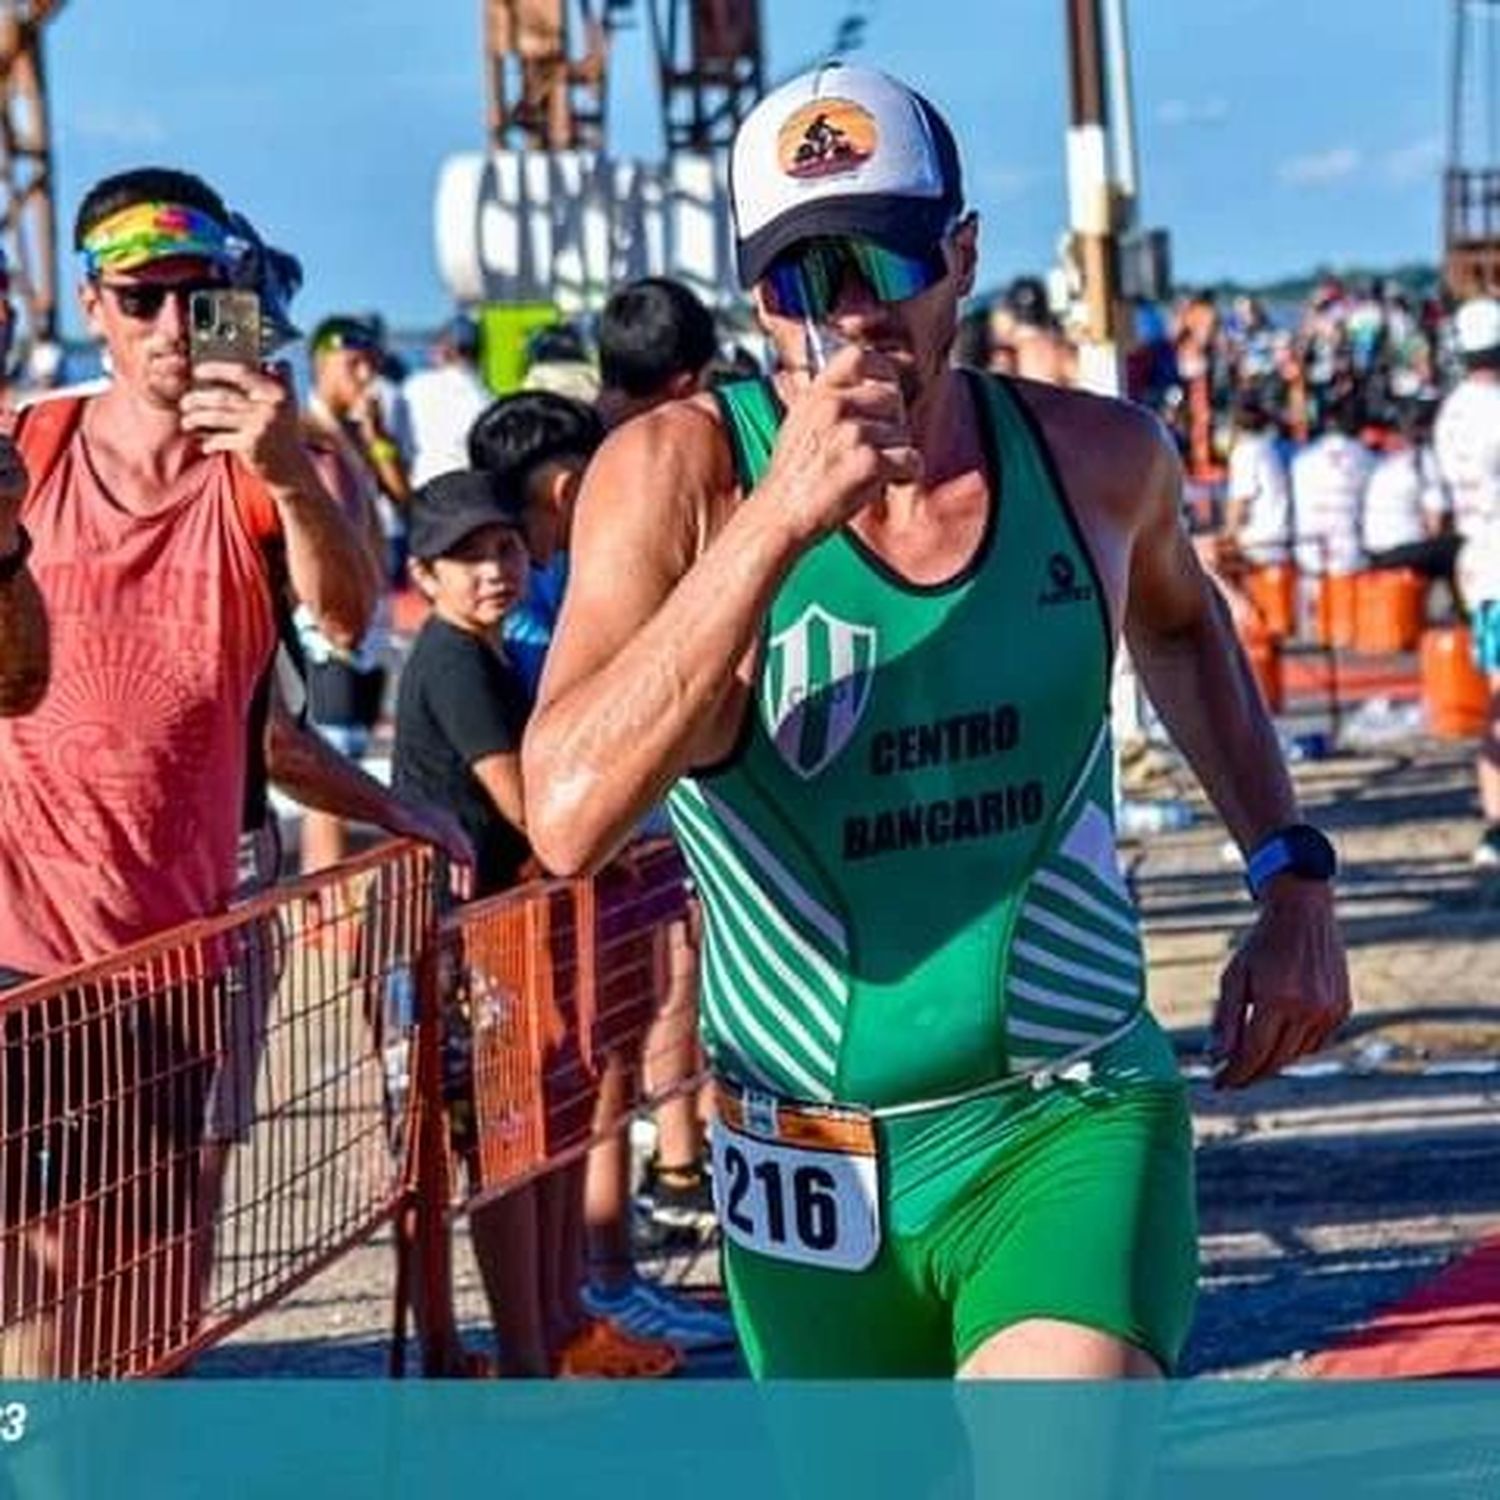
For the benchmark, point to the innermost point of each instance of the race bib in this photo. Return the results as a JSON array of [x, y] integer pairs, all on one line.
[[795, 1183]]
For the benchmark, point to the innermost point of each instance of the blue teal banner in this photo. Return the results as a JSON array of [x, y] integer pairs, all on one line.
[[724, 1440]]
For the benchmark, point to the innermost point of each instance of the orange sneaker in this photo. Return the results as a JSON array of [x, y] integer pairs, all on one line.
[[600, 1351]]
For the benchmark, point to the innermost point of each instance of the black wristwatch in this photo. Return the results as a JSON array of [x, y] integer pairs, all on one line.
[[1299, 849], [15, 560]]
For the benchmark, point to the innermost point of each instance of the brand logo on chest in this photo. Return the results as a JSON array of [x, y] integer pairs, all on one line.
[[1062, 585], [815, 687]]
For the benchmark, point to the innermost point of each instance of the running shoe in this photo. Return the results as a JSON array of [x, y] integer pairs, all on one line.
[[1486, 855], [646, 1310], [602, 1350]]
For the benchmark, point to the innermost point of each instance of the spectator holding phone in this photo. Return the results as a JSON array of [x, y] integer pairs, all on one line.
[[153, 512]]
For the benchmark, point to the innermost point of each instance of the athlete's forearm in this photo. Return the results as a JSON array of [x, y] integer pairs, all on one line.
[[329, 565], [600, 755], [25, 645], [1199, 679]]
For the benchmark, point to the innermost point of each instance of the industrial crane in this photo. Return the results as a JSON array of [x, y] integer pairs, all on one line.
[[28, 216], [547, 63], [1471, 184]]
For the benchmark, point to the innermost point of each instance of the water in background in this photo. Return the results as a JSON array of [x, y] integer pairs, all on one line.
[[81, 359]]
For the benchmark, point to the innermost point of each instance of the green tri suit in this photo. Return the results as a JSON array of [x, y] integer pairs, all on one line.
[[913, 905]]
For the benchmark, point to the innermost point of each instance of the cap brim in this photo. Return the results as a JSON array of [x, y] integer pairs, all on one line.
[[911, 226]]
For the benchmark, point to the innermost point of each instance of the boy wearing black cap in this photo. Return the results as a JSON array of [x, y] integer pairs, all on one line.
[[462, 706], [460, 714]]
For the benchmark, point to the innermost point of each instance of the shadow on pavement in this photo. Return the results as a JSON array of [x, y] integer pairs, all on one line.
[[1323, 1201]]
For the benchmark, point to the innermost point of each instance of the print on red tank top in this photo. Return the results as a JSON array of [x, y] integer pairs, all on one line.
[[120, 797]]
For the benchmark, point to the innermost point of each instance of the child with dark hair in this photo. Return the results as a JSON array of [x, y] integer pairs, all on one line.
[[460, 715], [656, 341], [537, 445]]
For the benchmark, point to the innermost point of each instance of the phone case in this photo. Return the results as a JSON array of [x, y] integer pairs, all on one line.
[[224, 324]]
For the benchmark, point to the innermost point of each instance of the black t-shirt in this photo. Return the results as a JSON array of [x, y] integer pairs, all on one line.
[[460, 701]]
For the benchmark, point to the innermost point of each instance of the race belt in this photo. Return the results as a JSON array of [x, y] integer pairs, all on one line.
[[796, 1182]]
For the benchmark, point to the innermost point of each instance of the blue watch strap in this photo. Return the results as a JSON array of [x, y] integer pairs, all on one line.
[[1269, 859], [1300, 848]]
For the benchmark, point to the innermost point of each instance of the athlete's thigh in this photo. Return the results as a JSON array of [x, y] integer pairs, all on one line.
[[799, 1322], [1046, 1349], [1093, 1223]]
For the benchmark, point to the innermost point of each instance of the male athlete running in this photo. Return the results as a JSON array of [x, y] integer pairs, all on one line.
[[860, 622]]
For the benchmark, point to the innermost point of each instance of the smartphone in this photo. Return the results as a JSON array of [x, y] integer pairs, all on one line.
[[224, 324]]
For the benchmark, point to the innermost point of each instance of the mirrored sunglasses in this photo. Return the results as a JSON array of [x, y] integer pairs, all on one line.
[[807, 280]]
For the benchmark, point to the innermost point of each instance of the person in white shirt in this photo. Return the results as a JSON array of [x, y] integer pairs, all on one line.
[[1328, 491], [1258, 506], [1467, 442], [1406, 502], [443, 402]]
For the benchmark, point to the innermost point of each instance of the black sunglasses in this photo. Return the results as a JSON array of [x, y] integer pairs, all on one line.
[[142, 300]]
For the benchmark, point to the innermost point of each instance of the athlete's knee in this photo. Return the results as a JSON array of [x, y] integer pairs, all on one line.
[[1050, 1349]]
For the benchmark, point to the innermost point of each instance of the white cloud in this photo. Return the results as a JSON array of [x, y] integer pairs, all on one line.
[[1179, 112], [1320, 167], [118, 127], [1417, 161]]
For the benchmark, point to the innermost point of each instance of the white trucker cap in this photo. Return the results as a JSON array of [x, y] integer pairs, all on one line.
[[841, 150], [1477, 326]]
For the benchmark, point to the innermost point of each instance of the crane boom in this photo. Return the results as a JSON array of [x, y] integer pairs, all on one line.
[[28, 214]]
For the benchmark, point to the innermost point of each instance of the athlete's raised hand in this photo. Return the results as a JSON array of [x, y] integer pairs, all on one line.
[[846, 439], [1286, 991]]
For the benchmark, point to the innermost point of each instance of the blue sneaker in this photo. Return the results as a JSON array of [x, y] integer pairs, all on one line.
[[647, 1310]]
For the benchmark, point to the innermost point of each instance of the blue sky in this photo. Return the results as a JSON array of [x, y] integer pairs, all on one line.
[[1273, 134]]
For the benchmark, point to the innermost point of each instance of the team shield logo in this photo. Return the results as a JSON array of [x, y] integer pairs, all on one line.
[[815, 687]]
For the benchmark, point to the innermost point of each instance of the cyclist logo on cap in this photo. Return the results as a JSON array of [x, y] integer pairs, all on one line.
[[826, 138]]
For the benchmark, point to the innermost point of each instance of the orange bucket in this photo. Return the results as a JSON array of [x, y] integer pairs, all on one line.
[[1455, 693], [1389, 605], [1273, 591], [1264, 652], [1334, 612]]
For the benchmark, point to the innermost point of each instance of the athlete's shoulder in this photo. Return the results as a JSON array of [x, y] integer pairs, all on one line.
[[1111, 453], [1106, 418], [679, 446]]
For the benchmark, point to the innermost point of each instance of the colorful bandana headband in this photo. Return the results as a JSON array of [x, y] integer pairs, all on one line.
[[145, 232]]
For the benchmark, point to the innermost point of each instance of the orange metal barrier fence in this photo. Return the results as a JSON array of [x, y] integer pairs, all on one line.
[[196, 1126], [536, 990], [193, 1127]]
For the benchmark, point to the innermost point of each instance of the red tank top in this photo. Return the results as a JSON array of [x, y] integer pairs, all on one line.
[[120, 796]]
